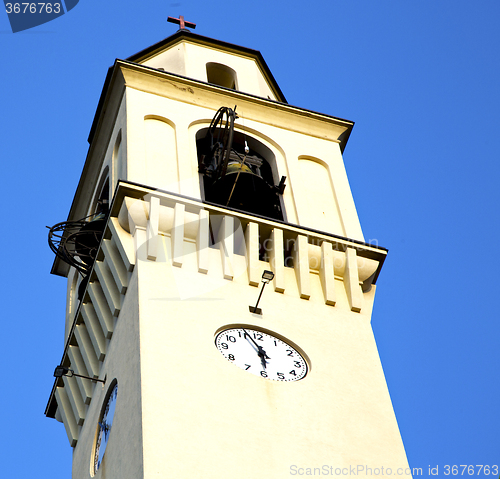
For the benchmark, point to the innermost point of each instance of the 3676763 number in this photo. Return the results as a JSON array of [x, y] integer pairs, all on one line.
[[33, 7], [470, 470]]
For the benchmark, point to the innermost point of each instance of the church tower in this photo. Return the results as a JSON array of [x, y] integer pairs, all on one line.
[[200, 177]]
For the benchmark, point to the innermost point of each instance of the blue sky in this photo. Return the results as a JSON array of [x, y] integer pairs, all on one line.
[[421, 81]]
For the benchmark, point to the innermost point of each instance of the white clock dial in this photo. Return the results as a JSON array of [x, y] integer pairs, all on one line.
[[104, 428], [261, 353]]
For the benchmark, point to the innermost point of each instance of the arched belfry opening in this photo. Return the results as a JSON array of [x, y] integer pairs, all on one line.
[[221, 75], [238, 170]]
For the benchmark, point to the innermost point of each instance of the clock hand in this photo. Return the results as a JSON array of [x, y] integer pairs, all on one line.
[[260, 350], [263, 359]]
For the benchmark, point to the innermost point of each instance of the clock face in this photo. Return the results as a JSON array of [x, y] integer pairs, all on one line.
[[261, 353], [104, 428]]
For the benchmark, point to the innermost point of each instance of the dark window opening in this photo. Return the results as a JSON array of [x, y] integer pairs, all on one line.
[[248, 181], [102, 206], [221, 75]]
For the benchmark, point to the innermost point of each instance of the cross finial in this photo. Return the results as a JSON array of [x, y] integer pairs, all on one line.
[[181, 22]]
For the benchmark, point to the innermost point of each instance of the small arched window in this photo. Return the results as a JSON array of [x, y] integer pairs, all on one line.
[[221, 75]]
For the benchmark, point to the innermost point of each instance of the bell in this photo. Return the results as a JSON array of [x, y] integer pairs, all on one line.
[[245, 190], [237, 167]]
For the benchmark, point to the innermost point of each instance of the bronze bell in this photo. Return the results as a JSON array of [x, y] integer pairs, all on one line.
[[245, 190], [236, 167]]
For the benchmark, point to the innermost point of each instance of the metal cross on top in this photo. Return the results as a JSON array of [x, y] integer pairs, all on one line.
[[181, 22]]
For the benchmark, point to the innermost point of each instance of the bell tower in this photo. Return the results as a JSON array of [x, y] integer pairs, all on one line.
[[199, 178]]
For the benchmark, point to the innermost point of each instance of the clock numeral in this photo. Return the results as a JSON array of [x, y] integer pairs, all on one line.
[[290, 352], [232, 339], [258, 336], [263, 374], [293, 372], [297, 364], [275, 343], [224, 346], [281, 376], [231, 357], [247, 367]]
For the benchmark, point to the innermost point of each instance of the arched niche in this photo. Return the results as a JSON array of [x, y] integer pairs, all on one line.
[[221, 75], [318, 202], [160, 168]]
